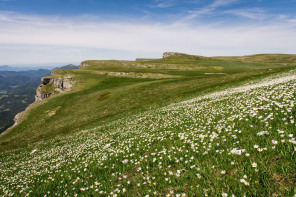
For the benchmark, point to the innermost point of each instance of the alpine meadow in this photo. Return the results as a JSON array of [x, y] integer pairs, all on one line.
[[181, 125]]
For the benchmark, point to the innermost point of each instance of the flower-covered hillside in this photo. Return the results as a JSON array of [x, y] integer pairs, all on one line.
[[238, 142]]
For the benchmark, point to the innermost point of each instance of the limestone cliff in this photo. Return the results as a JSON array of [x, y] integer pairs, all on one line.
[[169, 54], [83, 64], [51, 86]]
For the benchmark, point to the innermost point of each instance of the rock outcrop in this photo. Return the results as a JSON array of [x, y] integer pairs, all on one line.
[[62, 83], [40, 95], [16, 118], [169, 54], [83, 65], [51, 86]]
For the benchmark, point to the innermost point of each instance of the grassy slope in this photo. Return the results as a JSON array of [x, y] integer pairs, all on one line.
[[240, 142], [131, 87]]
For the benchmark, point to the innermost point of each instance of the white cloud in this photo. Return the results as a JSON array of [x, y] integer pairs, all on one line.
[[44, 39], [291, 20], [163, 3], [220, 3], [211, 8], [251, 13]]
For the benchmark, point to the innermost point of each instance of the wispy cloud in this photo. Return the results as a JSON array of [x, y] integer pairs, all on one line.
[[163, 3], [211, 8], [251, 13], [39, 38], [220, 3]]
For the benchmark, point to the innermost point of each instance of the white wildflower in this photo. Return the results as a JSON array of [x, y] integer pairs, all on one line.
[[262, 133], [236, 151]]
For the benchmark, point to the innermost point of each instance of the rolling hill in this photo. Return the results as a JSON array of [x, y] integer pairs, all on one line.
[[182, 125]]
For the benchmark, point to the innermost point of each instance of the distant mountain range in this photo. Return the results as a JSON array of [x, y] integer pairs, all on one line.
[[69, 66], [16, 68]]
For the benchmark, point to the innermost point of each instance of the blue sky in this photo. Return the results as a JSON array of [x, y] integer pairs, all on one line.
[[70, 31]]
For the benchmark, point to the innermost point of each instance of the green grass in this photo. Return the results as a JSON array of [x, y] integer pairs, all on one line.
[[263, 58], [123, 125], [239, 141], [81, 108]]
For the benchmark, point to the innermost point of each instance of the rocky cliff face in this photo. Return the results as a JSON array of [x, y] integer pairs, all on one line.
[[61, 83], [40, 95], [51, 86], [83, 65], [169, 54]]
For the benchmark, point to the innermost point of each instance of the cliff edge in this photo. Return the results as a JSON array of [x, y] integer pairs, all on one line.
[[51, 86], [170, 54]]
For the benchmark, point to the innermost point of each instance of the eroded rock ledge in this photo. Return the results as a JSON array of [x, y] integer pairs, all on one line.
[[83, 64], [169, 54], [51, 86]]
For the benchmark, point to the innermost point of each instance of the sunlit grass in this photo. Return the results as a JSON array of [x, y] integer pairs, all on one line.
[[239, 141], [134, 87]]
